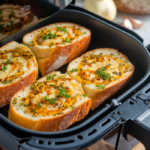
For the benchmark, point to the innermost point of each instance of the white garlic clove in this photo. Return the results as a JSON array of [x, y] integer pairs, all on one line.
[[136, 23], [126, 23]]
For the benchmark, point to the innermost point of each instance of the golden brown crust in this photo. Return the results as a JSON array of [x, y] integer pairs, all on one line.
[[72, 51], [125, 8], [7, 91], [58, 123], [67, 52], [98, 97]]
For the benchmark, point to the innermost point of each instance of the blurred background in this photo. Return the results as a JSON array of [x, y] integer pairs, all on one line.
[[132, 14]]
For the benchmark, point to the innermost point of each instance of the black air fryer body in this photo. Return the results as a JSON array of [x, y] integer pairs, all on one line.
[[123, 107]]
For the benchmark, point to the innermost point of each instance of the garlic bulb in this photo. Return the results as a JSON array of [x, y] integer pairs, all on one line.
[[104, 8]]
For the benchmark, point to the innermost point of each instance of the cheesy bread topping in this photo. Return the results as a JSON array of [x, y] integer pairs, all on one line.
[[49, 97], [102, 69], [60, 35], [13, 19], [14, 63]]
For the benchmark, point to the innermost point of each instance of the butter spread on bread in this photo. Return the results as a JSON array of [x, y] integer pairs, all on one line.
[[49, 102], [102, 72], [57, 44], [17, 62]]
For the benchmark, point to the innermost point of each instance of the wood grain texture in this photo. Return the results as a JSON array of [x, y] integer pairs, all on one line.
[[139, 146], [100, 145]]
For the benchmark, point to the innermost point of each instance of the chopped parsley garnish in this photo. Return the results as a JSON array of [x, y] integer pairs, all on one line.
[[22, 103], [92, 55], [100, 87], [61, 29], [44, 37], [0, 18], [38, 105], [55, 86], [73, 107], [51, 100], [74, 70], [4, 68], [50, 77], [11, 14], [66, 40], [26, 44], [7, 81], [63, 92], [8, 61], [49, 36], [101, 73], [84, 32], [15, 101], [1, 12], [84, 95], [25, 105]]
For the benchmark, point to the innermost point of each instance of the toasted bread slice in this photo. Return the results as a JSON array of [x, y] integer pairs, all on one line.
[[102, 72], [52, 103], [13, 19], [18, 69], [57, 44]]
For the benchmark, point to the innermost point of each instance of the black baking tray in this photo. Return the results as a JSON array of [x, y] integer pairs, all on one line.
[[99, 121]]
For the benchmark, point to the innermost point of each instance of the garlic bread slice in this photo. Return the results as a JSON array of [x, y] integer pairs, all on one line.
[[18, 69], [102, 72], [57, 44], [52, 103]]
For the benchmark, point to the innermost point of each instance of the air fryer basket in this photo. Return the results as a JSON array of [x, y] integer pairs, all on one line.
[[99, 121]]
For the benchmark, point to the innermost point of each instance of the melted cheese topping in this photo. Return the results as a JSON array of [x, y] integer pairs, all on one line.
[[12, 19], [14, 63], [49, 97], [102, 69], [57, 35]]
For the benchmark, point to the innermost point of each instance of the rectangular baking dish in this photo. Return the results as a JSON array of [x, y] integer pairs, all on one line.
[[104, 34]]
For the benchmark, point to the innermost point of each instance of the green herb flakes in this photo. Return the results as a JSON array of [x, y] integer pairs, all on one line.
[[61, 29], [51, 100], [74, 70], [84, 95], [73, 107], [102, 87], [4, 68], [11, 14], [38, 105], [63, 92], [8, 61], [101, 73], [15, 101], [67, 40]]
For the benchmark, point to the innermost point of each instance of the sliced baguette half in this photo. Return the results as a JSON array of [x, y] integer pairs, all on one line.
[[18, 69], [52, 103], [102, 72], [57, 44]]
